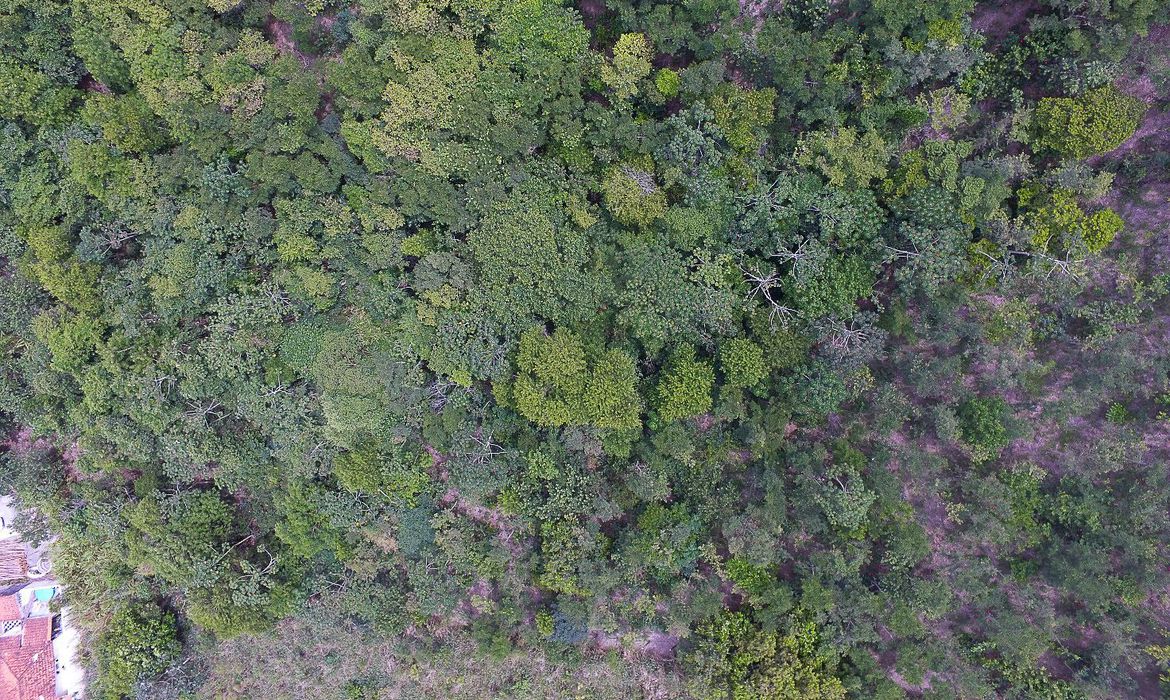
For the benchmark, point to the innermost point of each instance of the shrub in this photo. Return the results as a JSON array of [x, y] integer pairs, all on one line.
[[140, 642], [983, 426]]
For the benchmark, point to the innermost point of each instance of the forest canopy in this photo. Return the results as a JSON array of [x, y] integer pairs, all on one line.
[[708, 349]]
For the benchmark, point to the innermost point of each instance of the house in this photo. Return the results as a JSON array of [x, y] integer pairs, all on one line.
[[28, 664], [30, 631]]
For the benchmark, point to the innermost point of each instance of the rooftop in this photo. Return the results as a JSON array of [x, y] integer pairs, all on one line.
[[38, 631], [9, 608], [28, 664], [13, 560], [28, 671]]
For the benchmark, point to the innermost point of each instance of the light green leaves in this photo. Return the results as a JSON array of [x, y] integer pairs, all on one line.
[[684, 387], [1096, 122], [557, 385], [631, 63]]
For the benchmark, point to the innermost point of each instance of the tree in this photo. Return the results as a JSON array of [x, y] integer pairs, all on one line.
[[71, 340], [744, 117], [742, 362], [306, 526], [141, 641], [1060, 224], [179, 538], [126, 121], [630, 64], [1096, 122], [830, 287], [684, 386], [1100, 228], [632, 195], [556, 385], [565, 547], [844, 157], [73, 283], [667, 82], [736, 659], [931, 259], [350, 316], [665, 542], [551, 380], [843, 495], [611, 396], [530, 262], [539, 37], [661, 298], [31, 96], [396, 474]]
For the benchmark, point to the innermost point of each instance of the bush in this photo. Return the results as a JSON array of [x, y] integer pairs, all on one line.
[[140, 642], [983, 426], [1117, 413]]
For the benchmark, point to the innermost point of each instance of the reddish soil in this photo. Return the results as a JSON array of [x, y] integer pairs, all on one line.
[[997, 21], [592, 12], [92, 84], [1141, 87], [438, 459], [280, 33], [656, 645], [21, 441], [754, 11], [604, 641], [659, 645], [325, 108], [506, 528]]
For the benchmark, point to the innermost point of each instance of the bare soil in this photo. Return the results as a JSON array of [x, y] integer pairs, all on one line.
[[997, 20]]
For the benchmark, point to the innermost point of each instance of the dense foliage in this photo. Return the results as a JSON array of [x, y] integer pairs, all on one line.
[[629, 348]]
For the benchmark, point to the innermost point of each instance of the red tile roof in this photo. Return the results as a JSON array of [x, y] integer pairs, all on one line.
[[38, 631], [9, 608], [28, 672], [9, 683]]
